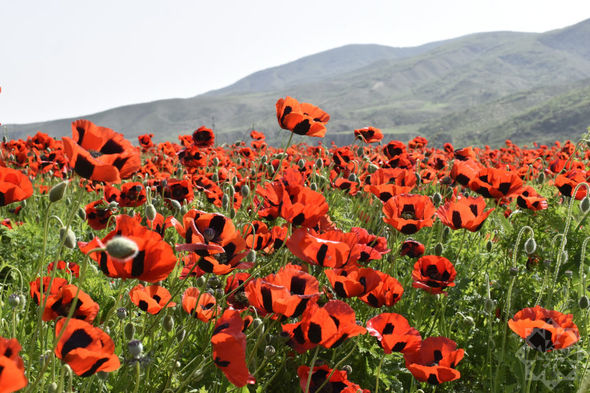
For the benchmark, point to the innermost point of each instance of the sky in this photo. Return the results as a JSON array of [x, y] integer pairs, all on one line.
[[68, 58]]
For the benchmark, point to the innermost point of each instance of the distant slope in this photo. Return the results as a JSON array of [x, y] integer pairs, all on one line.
[[478, 88]]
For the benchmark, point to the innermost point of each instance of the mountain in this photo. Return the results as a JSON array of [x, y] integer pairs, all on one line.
[[476, 89]]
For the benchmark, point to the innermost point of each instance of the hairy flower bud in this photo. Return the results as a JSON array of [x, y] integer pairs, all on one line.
[[129, 331], [135, 348], [121, 248], [68, 237], [150, 212], [58, 191], [530, 245]]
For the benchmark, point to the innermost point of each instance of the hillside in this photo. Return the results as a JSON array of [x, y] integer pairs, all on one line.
[[478, 88]]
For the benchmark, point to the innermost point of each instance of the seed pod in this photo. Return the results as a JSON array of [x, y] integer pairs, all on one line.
[[438, 249], [530, 245], [122, 248], [58, 191], [168, 323], [150, 212], [129, 331], [68, 237]]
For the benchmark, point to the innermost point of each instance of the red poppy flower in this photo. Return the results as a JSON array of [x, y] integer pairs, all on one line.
[[203, 137], [287, 293], [545, 330], [338, 381], [145, 141], [85, 348], [316, 250], [409, 213], [412, 248], [200, 305], [38, 290], [327, 326], [394, 333], [352, 281], [153, 262], [418, 142], [301, 118], [70, 267], [369, 247], [238, 299], [388, 292], [566, 183], [464, 212], [59, 304], [495, 183], [436, 360], [528, 198], [99, 153], [259, 136], [229, 348], [98, 214], [433, 274], [368, 134], [151, 299], [464, 171], [131, 194], [14, 186], [12, 367]]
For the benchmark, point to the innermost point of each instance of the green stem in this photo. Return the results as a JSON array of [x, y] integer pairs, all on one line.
[[378, 374], [313, 360]]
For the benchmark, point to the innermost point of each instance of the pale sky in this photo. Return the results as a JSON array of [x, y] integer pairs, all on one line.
[[68, 58]]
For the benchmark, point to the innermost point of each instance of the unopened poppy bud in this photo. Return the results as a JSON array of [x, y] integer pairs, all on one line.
[[213, 282], [150, 212], [68, 201], [175, 205], [541, 178], [68, 237], [23, 301], [129, 331], [232, 213], [372, 168], [585, 205], [564, 256], [201, 281], [489, 305], [113, 205], [468, 321], [347, 368], [584, 302], [313, 186], [257, 322], [215, 161], [530, 245], [319, 163], [360, 151], [198, 375], [82, 214], [14, 300], [122, 313], [225, 201], [301, 163], [251, 257], [234, 180], [52, 388], [418, 179], [352, 177], [446, 232], [58, 191], [437, 198], [489, 245], [269, 351], [513, 271], [122, 248], [245, 190], [263, 159], [215, 177], [438, 249], [135, 348], [180, 333]]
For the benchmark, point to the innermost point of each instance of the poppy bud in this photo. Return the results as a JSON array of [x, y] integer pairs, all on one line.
[[313, 186], [541, 178], [215, 161], [347, 368], [584, 302], [372, 168], [82, 214], [585, 205], [68, 201], [113, 205], [269, 351], [468, 321], [437, 198], [67, 236], [489, 245], [184, 209], [225, 201], [319, 163], [513, 271], [446, 232], [564, 256], [23, 301], [263, 159], [490, 305], [168, 323], [150, 212], [14, 300], [180, 333], [122, 313], [251, 257], [58, 191], [201, 281], [438, 249], [232, 213], [418, 179], [175, 205], [135, 348], [129, 331], [214, 282], [530, 245], [215, 177], [198, 375], [245, 190], [256, 323], [121, 248], [352, 177]]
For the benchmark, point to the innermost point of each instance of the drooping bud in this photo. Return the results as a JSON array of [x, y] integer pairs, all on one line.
[[135, 348], [438, 249], [541, 178], [215, 161], [121, 248], [122, 313], [489, 305], [269, 351], [175, 205], [82, 214], [347, 368], [437, 198], [372, 168], [585, 205], [489, 245], [584, 302], [58, 191], [180, 333], [319, 163], [530, 245], [67, 236], [14, 300], [168, 323], [150, 212], [301, 163], [313, 186], [129, 331], [245, 190], [352, 177], [251, 257]]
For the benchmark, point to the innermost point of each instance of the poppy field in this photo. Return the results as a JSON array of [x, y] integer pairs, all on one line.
[[380, 266]]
